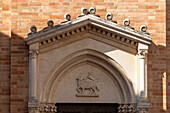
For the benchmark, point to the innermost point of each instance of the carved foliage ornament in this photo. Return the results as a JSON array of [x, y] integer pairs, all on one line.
[[127, 108], [86, 86], [33, 54], [48, 108], [142, 53]]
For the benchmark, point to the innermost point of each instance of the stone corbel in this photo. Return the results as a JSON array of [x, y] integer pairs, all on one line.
[[33, 54]]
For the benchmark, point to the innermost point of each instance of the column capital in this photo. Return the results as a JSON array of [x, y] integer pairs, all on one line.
[[142, 50], [142, 53], [33, 50], [33, 54]]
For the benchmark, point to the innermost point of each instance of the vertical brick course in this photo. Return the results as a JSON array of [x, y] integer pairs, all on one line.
[[168, 51], [5, 30], [16, 17]]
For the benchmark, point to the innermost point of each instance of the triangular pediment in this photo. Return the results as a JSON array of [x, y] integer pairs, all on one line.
[[60, 55], [90, 25]]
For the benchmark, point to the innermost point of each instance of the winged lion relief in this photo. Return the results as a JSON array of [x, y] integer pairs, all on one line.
[[87, 86]]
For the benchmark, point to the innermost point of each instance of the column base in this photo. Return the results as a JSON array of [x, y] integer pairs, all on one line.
[[143, 106], [33, 107]]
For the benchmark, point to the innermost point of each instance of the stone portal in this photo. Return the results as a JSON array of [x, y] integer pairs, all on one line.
[[88, 60]]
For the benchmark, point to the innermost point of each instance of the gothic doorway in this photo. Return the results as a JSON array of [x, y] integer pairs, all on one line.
[[87, 108]]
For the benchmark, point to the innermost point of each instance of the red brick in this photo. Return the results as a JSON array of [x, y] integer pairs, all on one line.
[[42, 10]]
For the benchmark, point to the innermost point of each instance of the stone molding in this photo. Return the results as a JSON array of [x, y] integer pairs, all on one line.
[[83, 23], [90, 36], [48, 108], [91, 29], [42, 108]]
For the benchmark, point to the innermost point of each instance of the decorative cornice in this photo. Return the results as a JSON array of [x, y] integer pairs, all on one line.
[[90, 22], [90, 29]]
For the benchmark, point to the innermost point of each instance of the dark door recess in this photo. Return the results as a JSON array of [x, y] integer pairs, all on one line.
[[86, 108]]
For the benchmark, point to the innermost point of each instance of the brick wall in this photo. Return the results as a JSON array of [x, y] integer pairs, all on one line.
[[168, 52], [19, 15], [5, 30]]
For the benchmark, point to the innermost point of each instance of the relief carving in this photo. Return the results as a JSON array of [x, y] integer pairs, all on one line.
[[33, 54], [127, 108], [48, 108], [86, 86]]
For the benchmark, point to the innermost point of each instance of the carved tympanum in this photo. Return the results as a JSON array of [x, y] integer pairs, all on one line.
[[86, 86]]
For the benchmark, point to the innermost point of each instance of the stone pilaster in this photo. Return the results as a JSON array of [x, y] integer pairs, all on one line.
[[143, 76], [33, 54], [142, 52], [143, 103]]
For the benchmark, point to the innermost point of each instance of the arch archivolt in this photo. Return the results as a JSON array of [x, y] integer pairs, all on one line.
[[94, 59]]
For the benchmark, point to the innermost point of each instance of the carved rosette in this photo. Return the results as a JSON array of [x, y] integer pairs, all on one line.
[[127, 108]]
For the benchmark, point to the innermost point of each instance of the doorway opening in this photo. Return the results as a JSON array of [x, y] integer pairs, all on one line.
[[87, 107]]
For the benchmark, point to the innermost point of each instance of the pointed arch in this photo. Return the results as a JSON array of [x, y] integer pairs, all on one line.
[[125, 86]]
